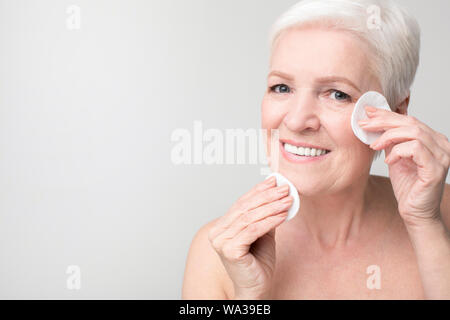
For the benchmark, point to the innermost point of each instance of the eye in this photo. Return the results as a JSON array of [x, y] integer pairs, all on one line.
[[340, 96], [282, 88]]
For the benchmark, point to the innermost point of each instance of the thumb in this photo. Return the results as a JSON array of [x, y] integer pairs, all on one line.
[[388, 150]]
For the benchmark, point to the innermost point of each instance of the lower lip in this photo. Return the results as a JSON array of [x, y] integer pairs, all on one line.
[[300, 159]]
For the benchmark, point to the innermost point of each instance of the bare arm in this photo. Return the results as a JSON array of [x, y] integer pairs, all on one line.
[[431, 244], [220, 259], [203, 272]]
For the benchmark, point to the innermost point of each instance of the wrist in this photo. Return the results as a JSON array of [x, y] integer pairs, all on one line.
[[427, 228], [251, 296], [417, 223], [430, 240]]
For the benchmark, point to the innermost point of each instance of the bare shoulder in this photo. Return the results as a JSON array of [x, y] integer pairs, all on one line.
[[204, 275]]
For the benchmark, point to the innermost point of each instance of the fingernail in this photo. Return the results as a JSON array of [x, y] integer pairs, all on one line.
[[283, 189], [270, 181], [371, 109]]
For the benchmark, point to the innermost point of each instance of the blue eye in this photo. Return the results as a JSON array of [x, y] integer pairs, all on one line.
[[282, 88], [340, 96]]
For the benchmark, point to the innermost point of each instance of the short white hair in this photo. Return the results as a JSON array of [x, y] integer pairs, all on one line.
[[393, 39]]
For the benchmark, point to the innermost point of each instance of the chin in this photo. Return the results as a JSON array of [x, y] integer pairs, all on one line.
[[313, 185]]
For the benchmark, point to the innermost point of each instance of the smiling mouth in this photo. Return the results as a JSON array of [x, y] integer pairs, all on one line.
[[304, 151]]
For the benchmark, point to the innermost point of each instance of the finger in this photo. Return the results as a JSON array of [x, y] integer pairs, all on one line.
[[382, 120], [239, 207], [443, 142], [266, 196], [262, 186], [256, 230], [408, 133], [414, 150], [256, 215], [242, 204]]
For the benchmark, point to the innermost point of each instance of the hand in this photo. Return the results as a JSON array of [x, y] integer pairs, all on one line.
[[418, 158], [244, 238]]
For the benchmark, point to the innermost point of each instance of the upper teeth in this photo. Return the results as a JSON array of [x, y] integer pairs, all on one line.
[[301, 151]]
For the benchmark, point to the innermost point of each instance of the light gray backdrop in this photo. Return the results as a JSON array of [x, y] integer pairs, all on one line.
[[87, 109]]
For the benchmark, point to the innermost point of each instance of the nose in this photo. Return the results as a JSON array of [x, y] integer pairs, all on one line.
[[303, 113]]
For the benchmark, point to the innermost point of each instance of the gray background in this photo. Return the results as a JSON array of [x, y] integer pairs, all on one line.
[[86, 118]]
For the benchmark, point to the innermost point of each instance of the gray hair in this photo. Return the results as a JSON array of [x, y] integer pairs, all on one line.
[[393, 36]]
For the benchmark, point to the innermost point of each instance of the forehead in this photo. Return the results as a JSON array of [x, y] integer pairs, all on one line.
[[317, 52]]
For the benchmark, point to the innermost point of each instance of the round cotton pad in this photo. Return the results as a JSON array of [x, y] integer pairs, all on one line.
[[281, 180], [373, 99]]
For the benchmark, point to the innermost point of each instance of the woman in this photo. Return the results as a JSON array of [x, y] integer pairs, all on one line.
[[356, 236]]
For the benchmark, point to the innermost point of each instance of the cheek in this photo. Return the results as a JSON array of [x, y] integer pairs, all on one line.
[[352, 149], [340, 130], [271, 114], [345, 132]]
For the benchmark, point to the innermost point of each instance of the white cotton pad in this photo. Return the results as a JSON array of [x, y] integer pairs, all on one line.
[[373, 99], [281, 180]]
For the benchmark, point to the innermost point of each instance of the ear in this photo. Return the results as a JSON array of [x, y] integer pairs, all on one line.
[[402, 108]]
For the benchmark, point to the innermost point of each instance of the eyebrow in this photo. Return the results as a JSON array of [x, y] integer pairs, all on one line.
[[281, 75], [337, 79], [329, 79]]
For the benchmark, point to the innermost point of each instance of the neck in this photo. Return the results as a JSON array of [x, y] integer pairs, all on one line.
[[341, 219]]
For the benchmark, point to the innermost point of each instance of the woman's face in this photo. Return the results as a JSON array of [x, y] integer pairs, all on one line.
[[316, 76]]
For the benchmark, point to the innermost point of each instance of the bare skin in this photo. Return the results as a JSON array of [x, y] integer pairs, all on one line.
[[349, 222], [305, 270], [318, 272]]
